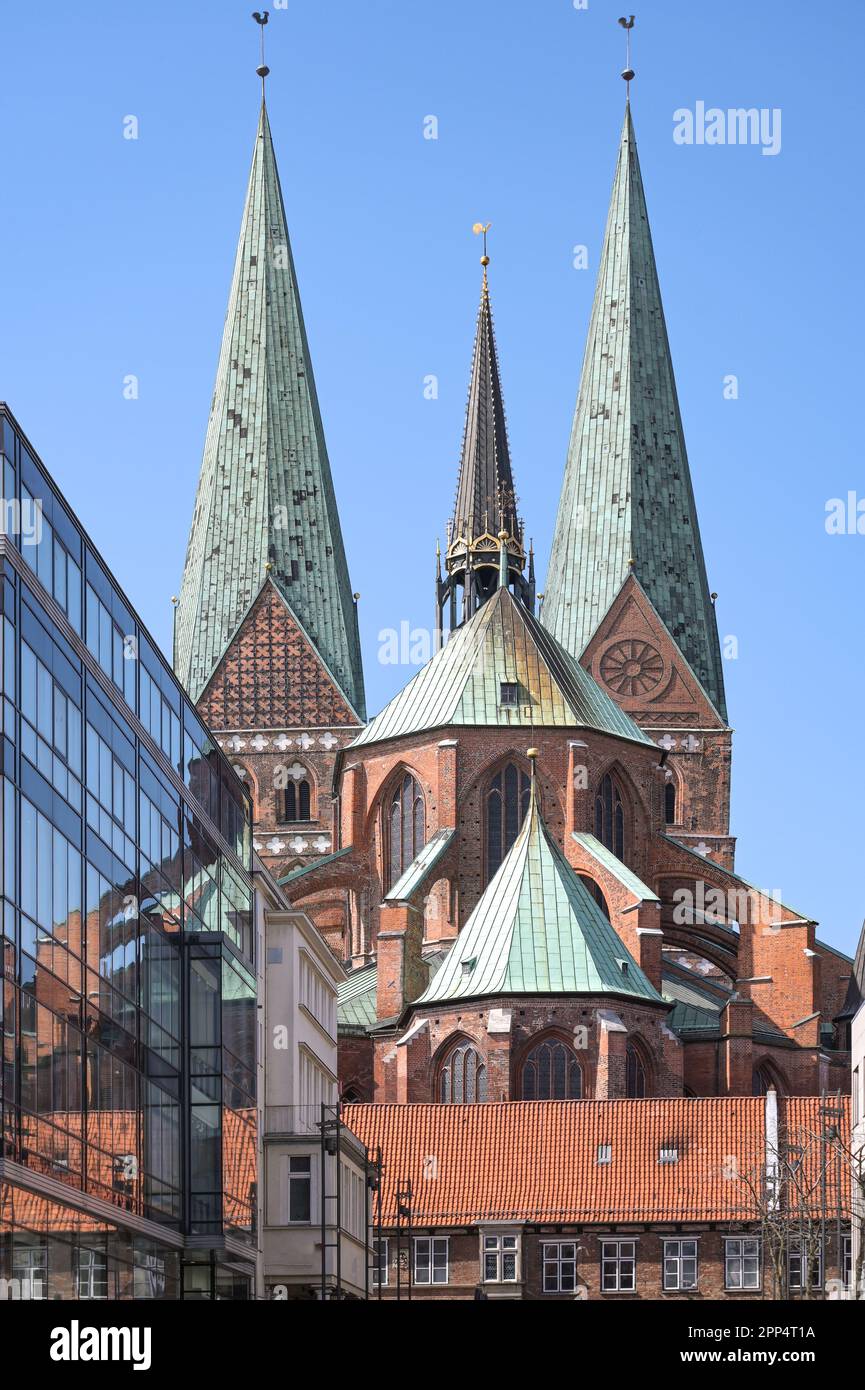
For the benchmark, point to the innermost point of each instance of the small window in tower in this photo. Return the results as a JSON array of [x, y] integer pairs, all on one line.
[[509, 693], [670, 803]]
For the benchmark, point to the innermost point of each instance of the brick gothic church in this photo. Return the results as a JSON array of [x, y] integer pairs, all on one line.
[[525, 858]]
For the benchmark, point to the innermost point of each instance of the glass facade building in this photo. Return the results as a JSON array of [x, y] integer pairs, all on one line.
[[128, 1111]]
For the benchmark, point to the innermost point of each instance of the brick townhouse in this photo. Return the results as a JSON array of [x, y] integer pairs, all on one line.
[[627, 1199]]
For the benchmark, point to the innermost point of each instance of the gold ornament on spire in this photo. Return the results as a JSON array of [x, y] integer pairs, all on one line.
[[481, 229]]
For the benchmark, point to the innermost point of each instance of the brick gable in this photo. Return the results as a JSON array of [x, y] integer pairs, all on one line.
[[271, 676]]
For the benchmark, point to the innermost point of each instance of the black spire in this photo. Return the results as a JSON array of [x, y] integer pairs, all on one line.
[[485, 526]]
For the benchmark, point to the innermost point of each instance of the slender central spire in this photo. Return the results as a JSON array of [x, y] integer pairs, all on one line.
[[485, 537]]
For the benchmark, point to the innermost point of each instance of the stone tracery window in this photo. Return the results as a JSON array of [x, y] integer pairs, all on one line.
[[551, 1072], [610, 816], [463, 1077], [506, 804], [406, 827], [635, 1072]]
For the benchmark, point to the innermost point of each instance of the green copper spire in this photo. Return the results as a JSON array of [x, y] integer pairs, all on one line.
[[537, 930], [627, 501], [265, 506]]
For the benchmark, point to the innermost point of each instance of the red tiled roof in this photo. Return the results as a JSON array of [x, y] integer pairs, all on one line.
[[537, 1160]]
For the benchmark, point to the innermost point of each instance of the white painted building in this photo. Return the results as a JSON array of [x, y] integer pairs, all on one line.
[[314, 1185]]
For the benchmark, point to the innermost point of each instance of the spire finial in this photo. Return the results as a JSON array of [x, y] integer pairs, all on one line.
[[261, 18], [481, 229], [628, 71]]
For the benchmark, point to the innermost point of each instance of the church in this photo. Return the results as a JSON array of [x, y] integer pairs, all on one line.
[[525, 858]]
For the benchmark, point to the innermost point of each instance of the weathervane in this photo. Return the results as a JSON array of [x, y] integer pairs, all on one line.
[[628, 72], [481, 229], [261, 19]]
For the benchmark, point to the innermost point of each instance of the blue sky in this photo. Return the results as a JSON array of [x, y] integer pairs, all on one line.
[[116, 255]]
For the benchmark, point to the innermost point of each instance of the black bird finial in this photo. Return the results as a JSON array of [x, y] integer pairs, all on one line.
[[261, 17], [628, 72]]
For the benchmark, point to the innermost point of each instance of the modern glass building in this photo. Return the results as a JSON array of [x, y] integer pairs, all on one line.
[[128, 1112]]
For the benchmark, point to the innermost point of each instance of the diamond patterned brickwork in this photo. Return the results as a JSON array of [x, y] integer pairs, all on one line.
[[272, 677]]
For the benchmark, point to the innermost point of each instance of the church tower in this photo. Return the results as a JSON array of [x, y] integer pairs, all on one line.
[[266, 636], [627, 591]]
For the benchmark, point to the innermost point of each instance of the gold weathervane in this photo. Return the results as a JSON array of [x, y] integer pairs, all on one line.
[[481, 229]]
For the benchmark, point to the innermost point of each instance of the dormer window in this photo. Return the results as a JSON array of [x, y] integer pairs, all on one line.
[[509, 694], [668, 1154]]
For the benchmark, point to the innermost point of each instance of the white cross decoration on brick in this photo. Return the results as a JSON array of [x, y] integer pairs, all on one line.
[[703, 848], [275, 845], [297, 844], [296, 772], [235, 743], [305, 741], [256, 845], [259, 743], [690, 744], [241, 771], [328, 741], [321, 844], [667, 743], [283, 743]]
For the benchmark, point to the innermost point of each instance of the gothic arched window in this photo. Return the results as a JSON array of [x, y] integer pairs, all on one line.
[[635, 1073], [763, 1079], [670, 803], [463, 1078], [298, 800], [551, 1072], [610, 816], [406, 827], [507, 801]]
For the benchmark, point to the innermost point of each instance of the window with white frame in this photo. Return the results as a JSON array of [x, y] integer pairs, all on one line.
[[316, 1086], [380, 1262], [680, 1264], [560, 1266], [300, 1188], [317, 995], [618, 1266], [92, 1274], [804, 1261], [431, 1259], [500, 1259], [354, 1191], [742, 1262]]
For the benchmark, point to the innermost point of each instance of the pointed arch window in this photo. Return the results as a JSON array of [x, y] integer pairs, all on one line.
[[551, 1072], [298, 801], [463, 1077], [763, 1079], [406, 827], [670, 802], [610, 816], [507, 801], [635, 1073]]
